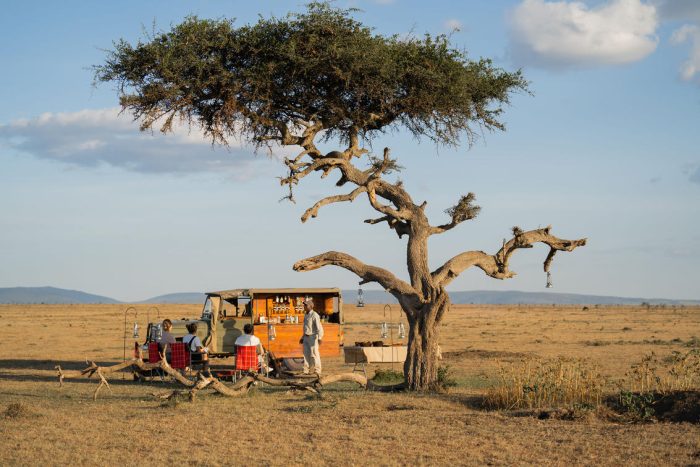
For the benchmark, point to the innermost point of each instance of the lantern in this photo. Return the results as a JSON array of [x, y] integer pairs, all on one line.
[[360, 298]]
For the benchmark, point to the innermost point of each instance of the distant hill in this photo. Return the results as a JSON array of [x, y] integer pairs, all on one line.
[[49, 295], [184, 297], [493, 297]]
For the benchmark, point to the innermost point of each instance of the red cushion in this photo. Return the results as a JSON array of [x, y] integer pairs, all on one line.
[[153, 354], [179, 356], [246, 357]]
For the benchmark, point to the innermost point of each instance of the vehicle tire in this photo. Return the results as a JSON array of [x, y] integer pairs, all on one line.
[[293, 364]]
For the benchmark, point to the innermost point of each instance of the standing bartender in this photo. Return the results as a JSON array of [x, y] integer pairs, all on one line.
[[313, 335]]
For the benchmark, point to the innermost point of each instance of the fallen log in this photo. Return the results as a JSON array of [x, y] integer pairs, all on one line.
[[311, 383]]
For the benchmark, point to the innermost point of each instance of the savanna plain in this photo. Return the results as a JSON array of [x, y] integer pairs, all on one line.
[[526, 385]]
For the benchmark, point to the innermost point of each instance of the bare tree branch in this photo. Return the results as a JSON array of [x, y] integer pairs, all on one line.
[[313, 211], [401, 228], [496, 266], [367, 273], [398, 214]]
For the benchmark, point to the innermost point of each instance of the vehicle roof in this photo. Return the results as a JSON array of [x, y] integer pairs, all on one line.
[[235, 293]]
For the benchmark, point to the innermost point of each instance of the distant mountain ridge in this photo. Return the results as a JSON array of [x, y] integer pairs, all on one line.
[[182, 297], [53, 295], [49, 295], [512, 297]]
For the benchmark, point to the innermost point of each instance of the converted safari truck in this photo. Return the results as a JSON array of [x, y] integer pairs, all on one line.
[[277, 316]]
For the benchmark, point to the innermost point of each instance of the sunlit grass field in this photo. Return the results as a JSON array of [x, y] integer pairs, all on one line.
[[44, 424]]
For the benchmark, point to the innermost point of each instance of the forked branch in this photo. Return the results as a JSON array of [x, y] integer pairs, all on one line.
[[496, 265], [367, 273]]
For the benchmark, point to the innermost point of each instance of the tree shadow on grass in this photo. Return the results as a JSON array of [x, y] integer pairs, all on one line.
[[470, 401], [17, 370], [47, 364]]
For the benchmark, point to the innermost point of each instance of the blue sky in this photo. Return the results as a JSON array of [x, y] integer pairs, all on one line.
[[606, 148]]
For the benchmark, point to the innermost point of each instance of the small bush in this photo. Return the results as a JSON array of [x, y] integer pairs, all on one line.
[[444, 378], [387, 376], [640, 406], [693, 342], [17, 410], [676, 372]]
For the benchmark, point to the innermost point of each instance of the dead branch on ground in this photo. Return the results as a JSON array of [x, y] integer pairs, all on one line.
[[312, 384]]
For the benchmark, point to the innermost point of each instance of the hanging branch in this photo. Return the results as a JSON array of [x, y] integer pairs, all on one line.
[[496, 265]]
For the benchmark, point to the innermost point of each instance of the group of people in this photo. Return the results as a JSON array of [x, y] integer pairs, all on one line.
[[311, 339], [199, 353]]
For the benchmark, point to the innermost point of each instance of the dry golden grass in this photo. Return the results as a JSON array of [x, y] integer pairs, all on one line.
[[44, 424]]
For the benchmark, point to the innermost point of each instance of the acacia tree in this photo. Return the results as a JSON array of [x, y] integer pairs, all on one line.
[[322, 76]]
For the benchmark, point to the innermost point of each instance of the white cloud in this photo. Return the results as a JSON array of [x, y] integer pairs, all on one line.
[[453, 24], [90, 138], [690, 69], [570, 34]]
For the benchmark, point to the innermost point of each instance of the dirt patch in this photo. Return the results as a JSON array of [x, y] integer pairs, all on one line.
[[481, 354]]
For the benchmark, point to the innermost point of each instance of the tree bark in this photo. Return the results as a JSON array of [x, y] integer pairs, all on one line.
[[422, 358]]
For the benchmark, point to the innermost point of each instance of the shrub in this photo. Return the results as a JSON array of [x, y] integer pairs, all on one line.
[[17, 410], [639, 406], [387, 376]]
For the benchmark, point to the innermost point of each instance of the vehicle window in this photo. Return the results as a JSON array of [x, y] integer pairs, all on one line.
[[207, 311]]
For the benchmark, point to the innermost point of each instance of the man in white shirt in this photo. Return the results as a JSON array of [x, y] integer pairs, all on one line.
[[248, 339], [313, 335]]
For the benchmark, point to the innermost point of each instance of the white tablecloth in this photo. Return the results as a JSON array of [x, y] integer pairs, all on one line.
[[375, 354]]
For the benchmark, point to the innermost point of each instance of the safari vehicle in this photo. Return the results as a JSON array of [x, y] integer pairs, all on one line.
[[277, 316]]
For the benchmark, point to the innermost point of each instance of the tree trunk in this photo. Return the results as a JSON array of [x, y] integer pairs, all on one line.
[[422, 359]]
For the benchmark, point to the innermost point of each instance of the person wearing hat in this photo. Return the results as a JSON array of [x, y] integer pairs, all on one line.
[[313, 335]]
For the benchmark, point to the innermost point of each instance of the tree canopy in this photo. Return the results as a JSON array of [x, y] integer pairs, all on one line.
[[322, 66]]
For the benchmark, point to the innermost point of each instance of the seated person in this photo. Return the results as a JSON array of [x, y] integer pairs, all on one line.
[[167, 337], [249, 340], [194, 345]]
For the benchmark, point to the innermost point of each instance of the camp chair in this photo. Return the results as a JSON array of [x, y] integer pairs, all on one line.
[[153, 352], [179, 356], [247, 359], [154, 357]]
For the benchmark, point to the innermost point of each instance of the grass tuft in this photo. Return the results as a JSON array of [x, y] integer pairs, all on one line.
[[536, 383], [17, 410]]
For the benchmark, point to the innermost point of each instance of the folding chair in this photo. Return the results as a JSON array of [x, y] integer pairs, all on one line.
[[154, 357], [153, 352], [179, 356], [246, 359]]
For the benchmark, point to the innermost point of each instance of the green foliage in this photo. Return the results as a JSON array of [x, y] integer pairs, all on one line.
[[637, 405], [465, 209], [261, 81], [387, 376], [445, 380]]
